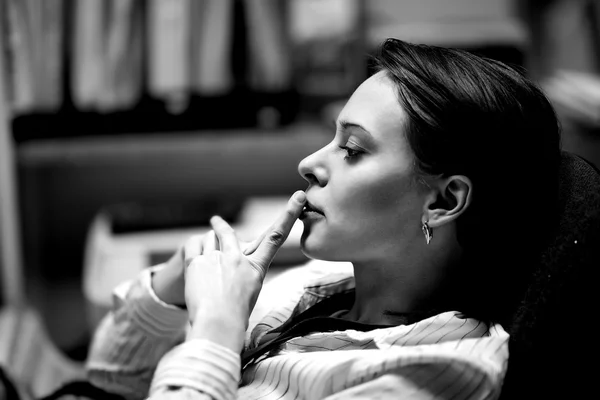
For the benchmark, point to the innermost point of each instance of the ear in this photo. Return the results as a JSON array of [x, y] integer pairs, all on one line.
[[448, 199]]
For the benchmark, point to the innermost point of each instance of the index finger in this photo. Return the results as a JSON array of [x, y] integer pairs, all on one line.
[[276, 235]]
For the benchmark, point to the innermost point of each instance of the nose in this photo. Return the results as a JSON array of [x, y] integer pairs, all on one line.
[[313, 168]]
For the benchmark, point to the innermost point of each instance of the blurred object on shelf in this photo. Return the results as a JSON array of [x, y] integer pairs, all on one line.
[[563, 56], [565, 35], [269, 52], [137, 66], [457, 23], [330, 56], [107, 54], [87, 54], [217, 48], [212, 41], [576, 96], [169, 42], [33, 42]]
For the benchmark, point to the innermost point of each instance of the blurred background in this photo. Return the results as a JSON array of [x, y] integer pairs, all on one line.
[[125, 124]]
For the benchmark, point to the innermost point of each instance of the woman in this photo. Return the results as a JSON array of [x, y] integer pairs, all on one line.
[[442, 166]]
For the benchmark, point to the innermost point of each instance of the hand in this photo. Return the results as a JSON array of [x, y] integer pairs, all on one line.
[[169, 282], [222, 286]]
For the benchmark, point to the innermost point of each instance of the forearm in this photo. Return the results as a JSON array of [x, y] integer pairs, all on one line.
[[131, 340], [168, 283], [207, 365]]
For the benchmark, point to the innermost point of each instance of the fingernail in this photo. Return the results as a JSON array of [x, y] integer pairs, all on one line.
[[300, 196]]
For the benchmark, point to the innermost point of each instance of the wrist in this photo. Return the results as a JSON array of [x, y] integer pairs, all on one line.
[[168, 286], [223, 328]]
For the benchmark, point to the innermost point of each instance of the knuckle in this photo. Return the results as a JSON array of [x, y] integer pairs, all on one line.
[[233, 257], [276, 237], [258, 270]]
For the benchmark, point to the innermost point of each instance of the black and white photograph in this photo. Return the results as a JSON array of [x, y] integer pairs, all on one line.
[[299, 199]]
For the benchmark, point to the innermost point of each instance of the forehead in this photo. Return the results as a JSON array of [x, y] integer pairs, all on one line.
[[374, 105]]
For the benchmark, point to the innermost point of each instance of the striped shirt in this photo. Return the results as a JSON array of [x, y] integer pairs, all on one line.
[[139, 351]]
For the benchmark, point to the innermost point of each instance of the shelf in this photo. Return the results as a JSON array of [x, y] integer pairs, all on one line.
[[127, 148]]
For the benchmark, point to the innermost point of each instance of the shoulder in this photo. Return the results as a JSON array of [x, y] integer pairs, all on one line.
[[450, 326]]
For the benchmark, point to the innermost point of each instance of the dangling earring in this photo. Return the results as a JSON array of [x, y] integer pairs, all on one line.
[[427, 231]]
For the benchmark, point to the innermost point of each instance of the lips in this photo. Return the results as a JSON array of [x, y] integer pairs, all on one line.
[[311, 209]]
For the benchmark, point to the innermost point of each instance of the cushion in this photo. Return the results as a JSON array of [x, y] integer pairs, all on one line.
[[551, 332]]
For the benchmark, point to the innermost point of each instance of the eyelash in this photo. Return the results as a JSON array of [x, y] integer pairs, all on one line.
[[350, 153]]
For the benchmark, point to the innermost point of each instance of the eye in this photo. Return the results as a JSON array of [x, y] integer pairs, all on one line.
[[350, 152]]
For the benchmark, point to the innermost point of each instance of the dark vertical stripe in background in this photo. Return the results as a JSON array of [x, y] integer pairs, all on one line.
[[239, 48]]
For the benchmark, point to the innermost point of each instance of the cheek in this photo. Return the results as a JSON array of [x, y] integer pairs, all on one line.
[[375, 198], [375, 210], [366, 211]]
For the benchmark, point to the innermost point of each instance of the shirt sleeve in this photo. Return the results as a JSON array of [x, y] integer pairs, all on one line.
[[131, 339], [197, 369]]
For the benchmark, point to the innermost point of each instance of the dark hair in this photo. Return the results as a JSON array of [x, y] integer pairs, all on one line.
[[473, 116]]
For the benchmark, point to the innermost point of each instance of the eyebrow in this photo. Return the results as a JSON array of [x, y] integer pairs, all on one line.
[[346, 125]]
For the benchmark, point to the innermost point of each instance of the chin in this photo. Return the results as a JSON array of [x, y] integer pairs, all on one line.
[[318, 249]]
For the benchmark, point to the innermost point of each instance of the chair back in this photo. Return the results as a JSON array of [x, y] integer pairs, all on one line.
[[551, 331]]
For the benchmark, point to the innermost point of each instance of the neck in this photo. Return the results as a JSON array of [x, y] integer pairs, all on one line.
[[388, 290]]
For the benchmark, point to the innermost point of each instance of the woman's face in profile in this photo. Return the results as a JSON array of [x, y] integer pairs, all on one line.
[[361, 185]]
